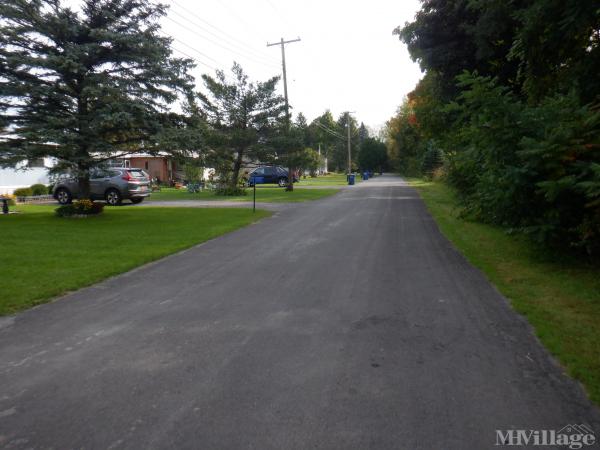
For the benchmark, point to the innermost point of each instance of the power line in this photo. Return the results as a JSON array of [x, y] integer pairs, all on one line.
[[330, 131], [219, 44], [197, 51], [241, 44], [234, 13], [194, 59], [261, 57]]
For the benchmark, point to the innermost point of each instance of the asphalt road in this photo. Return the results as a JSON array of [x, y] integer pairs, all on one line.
[[345, 323]]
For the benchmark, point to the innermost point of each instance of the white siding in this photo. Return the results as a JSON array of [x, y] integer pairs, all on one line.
[[11, 179]]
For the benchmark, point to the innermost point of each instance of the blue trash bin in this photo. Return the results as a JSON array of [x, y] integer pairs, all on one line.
[[366, 176], [351, 179]]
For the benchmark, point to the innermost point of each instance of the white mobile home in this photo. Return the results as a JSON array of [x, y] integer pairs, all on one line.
[[25, 174]]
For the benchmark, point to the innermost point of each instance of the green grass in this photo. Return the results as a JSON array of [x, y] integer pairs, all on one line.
[[560, 296], [334, 179], [263, 194], [44, 256]]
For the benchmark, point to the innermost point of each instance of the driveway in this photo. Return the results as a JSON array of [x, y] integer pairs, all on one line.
[[346, 323]]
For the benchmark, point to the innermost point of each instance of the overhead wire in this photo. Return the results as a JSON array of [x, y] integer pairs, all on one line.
[[194, 58], [232, 39], [195, 50], [330, 131], [231, 11], [246, 56]]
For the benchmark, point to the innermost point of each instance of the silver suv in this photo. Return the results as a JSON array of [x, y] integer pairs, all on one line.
[[111, 184]]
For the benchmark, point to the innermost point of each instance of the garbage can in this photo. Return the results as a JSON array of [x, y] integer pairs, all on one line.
[[366, 176], [351, 179]]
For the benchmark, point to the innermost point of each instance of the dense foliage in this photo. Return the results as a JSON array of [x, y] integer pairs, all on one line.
[[510, 107], [372, 155]]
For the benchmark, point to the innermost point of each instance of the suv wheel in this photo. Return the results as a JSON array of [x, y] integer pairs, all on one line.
[[63, 196], [136, 200], [113, 197], [282, 182]]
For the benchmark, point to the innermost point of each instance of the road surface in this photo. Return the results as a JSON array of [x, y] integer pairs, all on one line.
[[348, 323]]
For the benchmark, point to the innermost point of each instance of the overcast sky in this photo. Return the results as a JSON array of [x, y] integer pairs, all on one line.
[[347, 58]]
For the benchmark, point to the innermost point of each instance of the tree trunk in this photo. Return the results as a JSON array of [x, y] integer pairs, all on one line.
[[290, 185], [83, 182], [237, 165]]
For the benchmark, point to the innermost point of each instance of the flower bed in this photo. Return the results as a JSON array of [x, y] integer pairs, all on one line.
[[80, 208]]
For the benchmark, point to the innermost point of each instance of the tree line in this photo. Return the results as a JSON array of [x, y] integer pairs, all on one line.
[[87, 85], [508, 112]]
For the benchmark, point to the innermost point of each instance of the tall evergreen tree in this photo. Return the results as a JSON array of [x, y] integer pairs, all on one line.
[[339, 158], [319, 137], [363, 133], [85, 85], [245, 118]]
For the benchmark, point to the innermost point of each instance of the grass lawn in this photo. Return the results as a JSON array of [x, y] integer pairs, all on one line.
[[333, 179], [44, 256], [560, 296], [263, 194]]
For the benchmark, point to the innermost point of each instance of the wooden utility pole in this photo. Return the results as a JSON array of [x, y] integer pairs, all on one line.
[[349, 151], [290, 186]]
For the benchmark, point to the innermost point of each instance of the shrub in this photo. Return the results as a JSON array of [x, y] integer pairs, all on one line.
[[432, 160], [39, 189], [230, 191], [439, 174], [23, 192], [80, 208], [531, 168]]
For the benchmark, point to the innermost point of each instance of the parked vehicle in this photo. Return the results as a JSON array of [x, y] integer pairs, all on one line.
[[269, 175], [112, 185]]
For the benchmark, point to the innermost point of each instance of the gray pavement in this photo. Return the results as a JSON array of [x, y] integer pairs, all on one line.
[[348, 323]]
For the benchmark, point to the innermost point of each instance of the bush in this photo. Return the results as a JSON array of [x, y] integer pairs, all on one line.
[[80, 208], [531, 168], [23, 192], [230, 191], [432, 160], [39, 189]]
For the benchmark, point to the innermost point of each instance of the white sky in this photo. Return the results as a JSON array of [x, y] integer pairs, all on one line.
[[347, 58]]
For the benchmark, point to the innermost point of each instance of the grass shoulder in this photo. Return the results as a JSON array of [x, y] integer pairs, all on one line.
[[560, 296], [45, 256], [263, 194], [332, 179]]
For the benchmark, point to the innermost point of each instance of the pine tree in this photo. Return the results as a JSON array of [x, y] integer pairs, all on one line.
[[243, 118], [84, 85]]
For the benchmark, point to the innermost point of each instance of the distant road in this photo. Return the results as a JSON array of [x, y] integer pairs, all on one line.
[[345, 323]]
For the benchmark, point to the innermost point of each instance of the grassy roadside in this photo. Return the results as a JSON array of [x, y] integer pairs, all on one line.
[[559, 296], [44, 256], [332, 179], [263, 194]]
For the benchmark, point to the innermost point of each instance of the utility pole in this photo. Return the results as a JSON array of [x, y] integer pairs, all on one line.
[[349, 152], [290, 186]]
